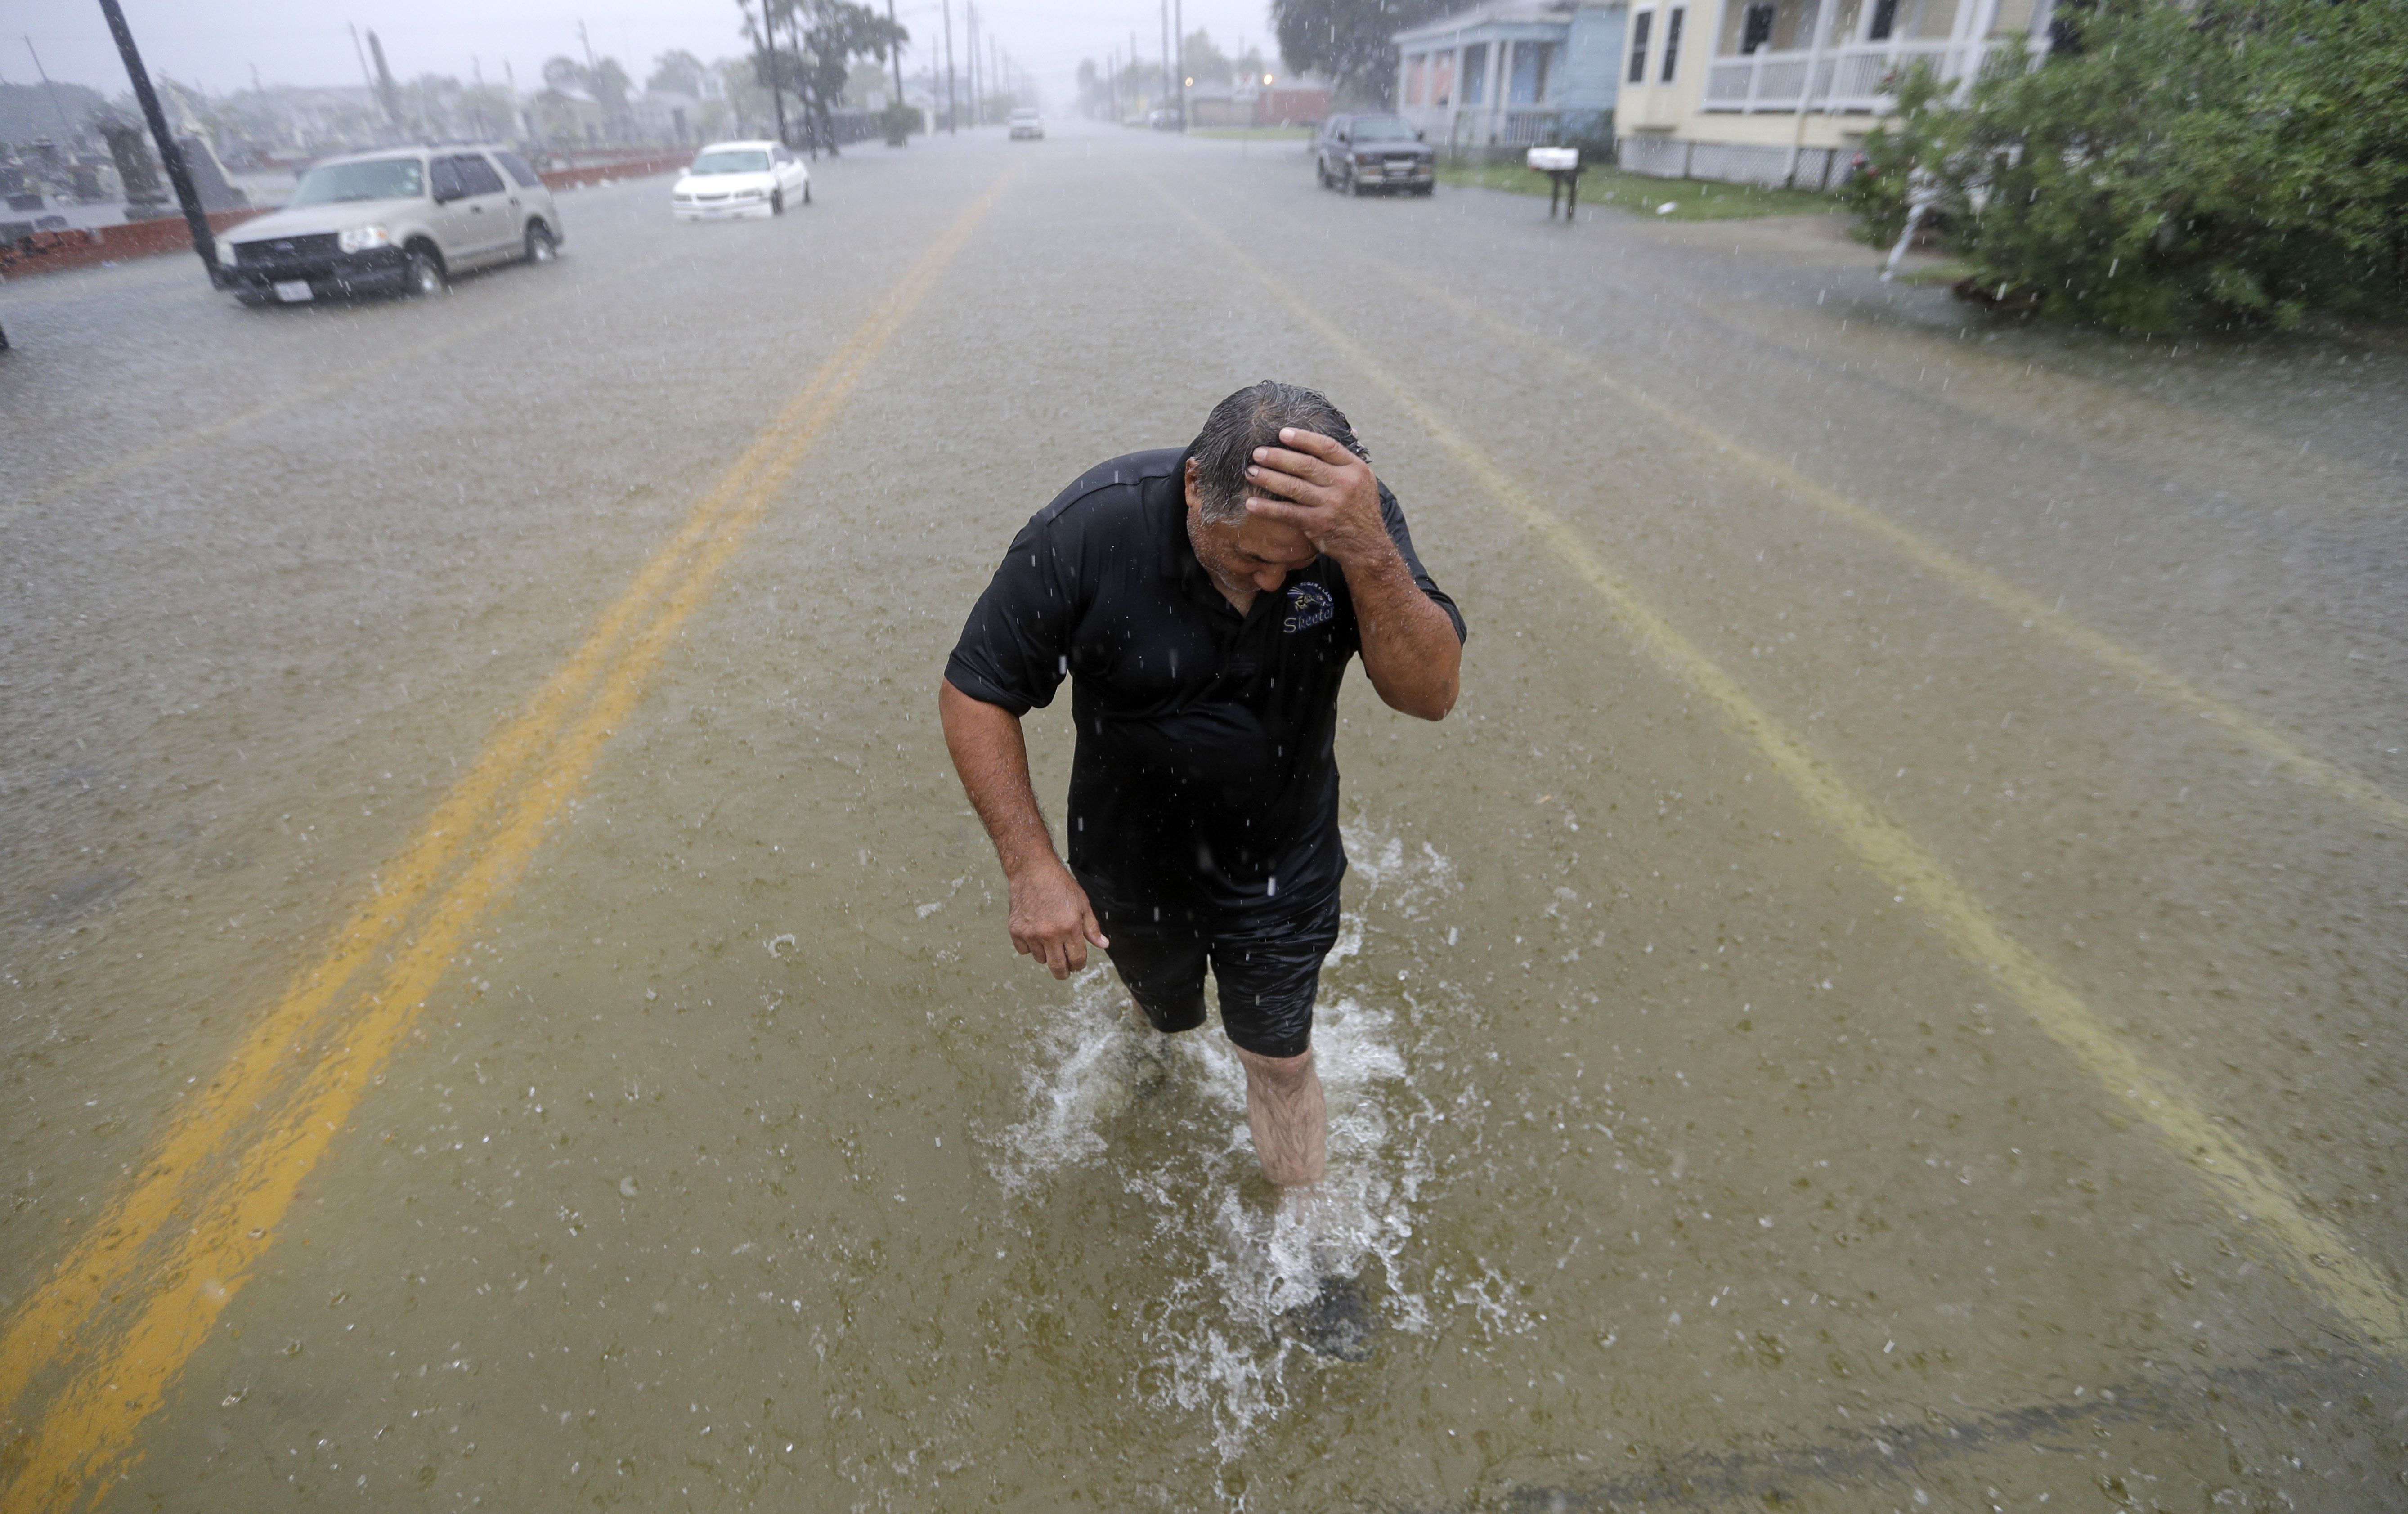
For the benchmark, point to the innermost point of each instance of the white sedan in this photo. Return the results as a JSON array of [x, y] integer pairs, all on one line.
[[733, 179]]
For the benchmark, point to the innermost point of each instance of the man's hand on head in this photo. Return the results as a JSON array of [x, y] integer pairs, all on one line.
[[1050, 918], [1313, 483]]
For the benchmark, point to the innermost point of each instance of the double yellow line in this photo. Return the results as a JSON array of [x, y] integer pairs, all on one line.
[[2144, 671], [2314, 1253], [105, 1339]]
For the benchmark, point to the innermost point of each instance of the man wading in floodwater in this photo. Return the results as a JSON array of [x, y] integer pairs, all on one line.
[[1204, 604]]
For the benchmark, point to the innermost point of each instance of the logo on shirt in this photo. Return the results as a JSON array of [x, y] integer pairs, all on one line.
[[1307, 605]]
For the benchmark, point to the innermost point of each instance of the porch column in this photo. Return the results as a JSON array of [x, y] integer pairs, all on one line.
[[1972, 43], [1493, 98], [1822, 37]]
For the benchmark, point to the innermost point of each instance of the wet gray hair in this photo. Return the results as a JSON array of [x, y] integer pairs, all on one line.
[[1251, 417]]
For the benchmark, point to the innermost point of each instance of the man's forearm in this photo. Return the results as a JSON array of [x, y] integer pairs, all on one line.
[[1410, 649], [992, 757]]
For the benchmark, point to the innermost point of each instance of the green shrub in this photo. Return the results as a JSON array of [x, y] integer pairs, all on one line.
[[898, 120], [2172, 167]]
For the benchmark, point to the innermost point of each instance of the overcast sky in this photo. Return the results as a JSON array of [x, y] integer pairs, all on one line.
[[218, 43]]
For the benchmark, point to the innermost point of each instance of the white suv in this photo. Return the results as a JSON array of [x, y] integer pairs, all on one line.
[[399, 219]]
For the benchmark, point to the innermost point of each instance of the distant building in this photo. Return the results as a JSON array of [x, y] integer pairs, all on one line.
[[672, 116], [1784, 92], [1511, 73], [567, 118], [307, 121], [1258, 100]]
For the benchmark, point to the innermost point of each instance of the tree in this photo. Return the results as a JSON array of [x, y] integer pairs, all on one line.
[[676, 72], [811, 46], [1200, 61], [563, 73], [2229, 162], [609, 86], [1347, 40]]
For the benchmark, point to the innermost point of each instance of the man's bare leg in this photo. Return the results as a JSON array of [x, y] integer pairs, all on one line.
[[1289, 1117]]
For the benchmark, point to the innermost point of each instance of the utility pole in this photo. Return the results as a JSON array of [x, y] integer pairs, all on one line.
[[385, 87], [70, 142], [204, 242], [1179, 32], [362, 53], [770, 56], [994, 66], [952, 106], [1136, 69], [970, 35], [898, 48], [1166, 48]]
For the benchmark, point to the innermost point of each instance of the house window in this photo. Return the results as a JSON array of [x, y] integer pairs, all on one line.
[[1442, 78], [1416, 77], [1530, 60], [1639, 25], [1756, 28], [1475, 74], [1885, 21], [1672, 42]]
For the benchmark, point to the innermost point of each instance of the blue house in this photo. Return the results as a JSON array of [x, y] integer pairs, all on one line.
[[1512, 74]]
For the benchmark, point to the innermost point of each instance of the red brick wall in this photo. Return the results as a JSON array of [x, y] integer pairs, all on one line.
[[50, 252]]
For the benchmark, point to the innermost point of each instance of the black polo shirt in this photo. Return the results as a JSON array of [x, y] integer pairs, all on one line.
[[1205, 776]]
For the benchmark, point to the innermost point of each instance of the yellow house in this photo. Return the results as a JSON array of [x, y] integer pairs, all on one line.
[[1782, 93]]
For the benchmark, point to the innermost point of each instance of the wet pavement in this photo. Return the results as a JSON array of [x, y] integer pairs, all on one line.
[[1886, 994]]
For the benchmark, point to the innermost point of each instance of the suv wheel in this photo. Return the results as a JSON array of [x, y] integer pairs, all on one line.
[[1352, 186], [425, 273], [539, 245], [806, 191], [777, 202]]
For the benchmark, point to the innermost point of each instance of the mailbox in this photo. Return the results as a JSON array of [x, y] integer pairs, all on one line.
[[1562, 166]]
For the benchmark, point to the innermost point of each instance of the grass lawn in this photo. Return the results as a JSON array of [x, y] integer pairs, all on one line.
[[1255, 133], [1691, 199]]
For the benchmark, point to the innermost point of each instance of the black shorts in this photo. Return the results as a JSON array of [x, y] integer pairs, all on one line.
[[1268, 969]]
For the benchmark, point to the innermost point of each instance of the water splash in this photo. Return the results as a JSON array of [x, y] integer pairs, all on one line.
[[1224, 1349]]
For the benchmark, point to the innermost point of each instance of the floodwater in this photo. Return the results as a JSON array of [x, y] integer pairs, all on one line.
[[1886, 993]]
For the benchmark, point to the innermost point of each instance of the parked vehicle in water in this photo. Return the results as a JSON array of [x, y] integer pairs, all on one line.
[[397, 220], [1027, 125], [733, 181], [1361, 154]]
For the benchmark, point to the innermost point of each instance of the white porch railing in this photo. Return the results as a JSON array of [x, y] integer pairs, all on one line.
[[1459, 128], [1844, 79]]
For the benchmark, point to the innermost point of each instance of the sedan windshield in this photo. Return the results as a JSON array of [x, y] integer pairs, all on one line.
[[380, 178], [1380, 129], [731, 163]]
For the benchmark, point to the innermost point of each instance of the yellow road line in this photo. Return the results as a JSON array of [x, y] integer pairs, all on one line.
[[109, 1247], [2312, 1252], [89, 1423], [2125, 662]]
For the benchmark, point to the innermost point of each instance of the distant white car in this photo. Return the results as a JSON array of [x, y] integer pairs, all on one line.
[[1027, 125], [729, 180]]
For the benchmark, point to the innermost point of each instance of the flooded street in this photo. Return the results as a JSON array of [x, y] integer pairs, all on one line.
[[1886, 993]]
